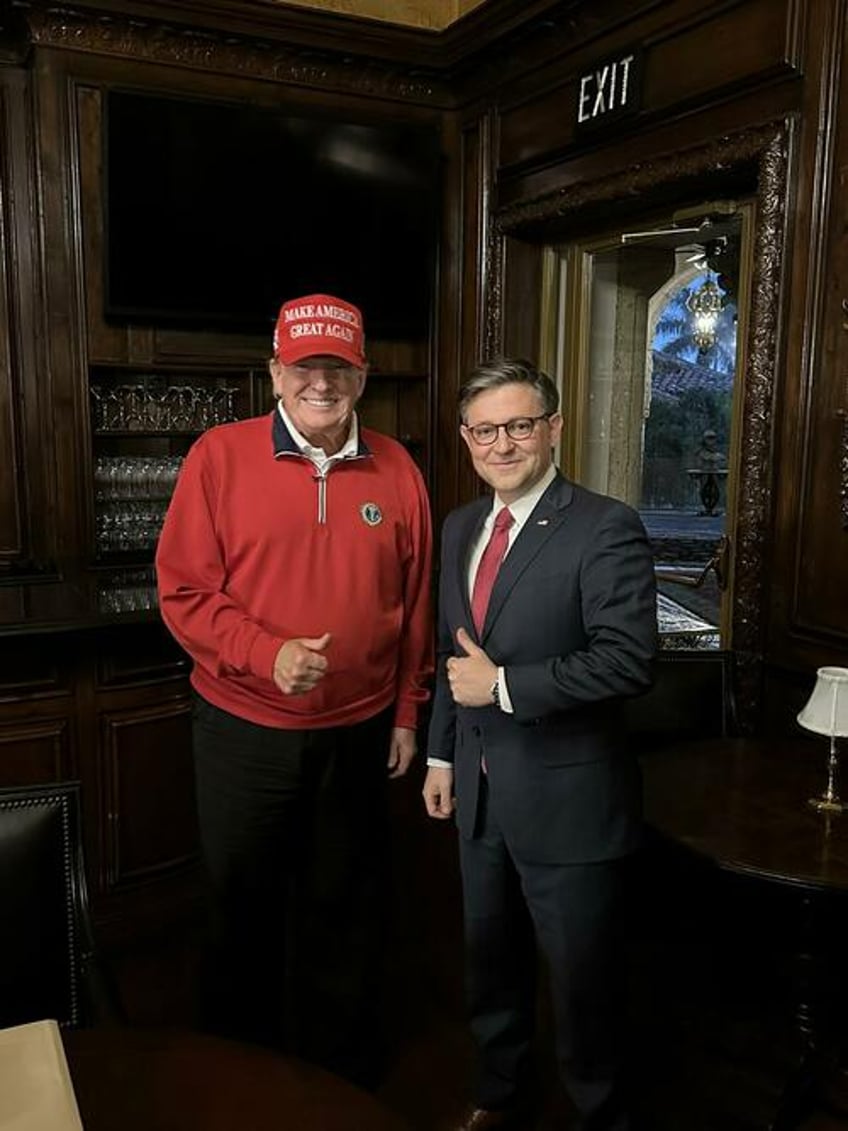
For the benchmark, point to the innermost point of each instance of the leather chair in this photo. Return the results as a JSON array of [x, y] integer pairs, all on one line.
[[47, 966], [692, 697]]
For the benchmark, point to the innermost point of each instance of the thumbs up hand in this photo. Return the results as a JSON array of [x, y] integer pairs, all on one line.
[[471, 676], [301, 664]]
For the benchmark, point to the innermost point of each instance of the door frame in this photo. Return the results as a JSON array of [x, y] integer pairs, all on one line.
[[763, 155]]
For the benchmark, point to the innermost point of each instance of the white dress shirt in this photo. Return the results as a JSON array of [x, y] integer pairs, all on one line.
[[317, 455]]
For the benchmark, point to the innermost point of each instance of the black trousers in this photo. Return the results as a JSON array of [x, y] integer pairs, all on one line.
[[571, 912], [294, 836]]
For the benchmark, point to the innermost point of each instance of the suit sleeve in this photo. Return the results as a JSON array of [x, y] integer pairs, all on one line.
[[619, 613], [442, 732]]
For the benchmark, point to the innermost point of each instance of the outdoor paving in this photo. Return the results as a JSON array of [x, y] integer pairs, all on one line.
[[687, 616], [682, 524]]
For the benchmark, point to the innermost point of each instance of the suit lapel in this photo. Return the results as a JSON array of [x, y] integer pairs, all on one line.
[[467, 535], [547, 516]]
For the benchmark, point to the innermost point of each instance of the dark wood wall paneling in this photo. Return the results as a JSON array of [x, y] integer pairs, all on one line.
[[462, 303], [693, 89], [455, 305], [11, 486], [808, 605], [28, 534], [694, 55]]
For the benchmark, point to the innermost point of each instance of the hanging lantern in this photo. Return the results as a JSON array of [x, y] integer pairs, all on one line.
[[705, 305]]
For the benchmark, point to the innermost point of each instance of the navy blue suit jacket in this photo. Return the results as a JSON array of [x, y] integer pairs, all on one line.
[[572, 619]]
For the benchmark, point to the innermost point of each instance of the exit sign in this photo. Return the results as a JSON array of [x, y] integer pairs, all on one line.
[[609, 91]]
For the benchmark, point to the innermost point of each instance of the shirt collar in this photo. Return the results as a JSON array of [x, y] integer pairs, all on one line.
[[521, 508], [348, 449]]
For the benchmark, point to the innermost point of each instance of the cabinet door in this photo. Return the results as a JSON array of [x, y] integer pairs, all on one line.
[[35, 751], [39, 720], [148, 788]]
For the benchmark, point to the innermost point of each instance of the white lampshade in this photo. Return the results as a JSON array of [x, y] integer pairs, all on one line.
[[826, 711]]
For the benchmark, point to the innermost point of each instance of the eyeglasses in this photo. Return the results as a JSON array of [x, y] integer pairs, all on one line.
[[520, 428]]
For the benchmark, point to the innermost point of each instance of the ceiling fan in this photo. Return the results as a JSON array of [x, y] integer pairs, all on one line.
[[628, 237], [701, 220]]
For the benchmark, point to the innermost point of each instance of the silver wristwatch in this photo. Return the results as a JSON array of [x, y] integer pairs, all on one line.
[[495, 692]]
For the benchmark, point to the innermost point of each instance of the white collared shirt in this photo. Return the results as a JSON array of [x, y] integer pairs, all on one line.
[[520, 509], [317, 455]]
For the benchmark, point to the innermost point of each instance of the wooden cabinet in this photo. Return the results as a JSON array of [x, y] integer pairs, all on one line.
[[142, 423], [109, 707]]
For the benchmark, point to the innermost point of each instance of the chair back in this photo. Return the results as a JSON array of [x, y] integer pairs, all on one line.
[[692, 697], [45, 939]]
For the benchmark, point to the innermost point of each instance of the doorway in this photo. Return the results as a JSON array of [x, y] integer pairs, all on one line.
[[645, 333]]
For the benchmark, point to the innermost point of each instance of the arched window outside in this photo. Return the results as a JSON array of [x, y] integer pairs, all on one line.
[[648, 360]]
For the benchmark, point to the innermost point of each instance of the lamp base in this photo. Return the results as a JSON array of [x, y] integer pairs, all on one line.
[[827, 804]]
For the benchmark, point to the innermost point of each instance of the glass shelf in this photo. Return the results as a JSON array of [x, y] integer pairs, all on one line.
[[142, 424], [155, 404], [142, 477]]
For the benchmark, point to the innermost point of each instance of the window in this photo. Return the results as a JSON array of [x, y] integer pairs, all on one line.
[[646, 344]]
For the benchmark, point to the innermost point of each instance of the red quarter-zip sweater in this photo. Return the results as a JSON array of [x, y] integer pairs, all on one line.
[[257, 548]]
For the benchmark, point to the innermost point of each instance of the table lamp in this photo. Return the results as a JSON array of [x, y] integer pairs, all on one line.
[[826, 712]]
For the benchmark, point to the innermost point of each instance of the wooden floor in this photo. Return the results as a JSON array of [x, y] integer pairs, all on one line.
[[702, 1059], [712, 1022], [713, 1032]]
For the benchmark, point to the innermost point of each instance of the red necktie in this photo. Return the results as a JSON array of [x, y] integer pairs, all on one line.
[[490, 563]]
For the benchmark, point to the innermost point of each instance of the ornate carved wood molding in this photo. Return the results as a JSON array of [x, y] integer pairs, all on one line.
[[723, 153], [766, 148], [493, 27], [223, 53], [843, 469], [755, 479]]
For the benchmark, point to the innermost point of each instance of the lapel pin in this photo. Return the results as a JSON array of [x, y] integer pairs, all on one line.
[[542, 521]]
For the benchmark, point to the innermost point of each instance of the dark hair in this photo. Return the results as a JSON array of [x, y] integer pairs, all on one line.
[[500, 371]]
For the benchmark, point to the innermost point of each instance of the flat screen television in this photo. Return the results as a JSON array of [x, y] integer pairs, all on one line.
[[217, 212]]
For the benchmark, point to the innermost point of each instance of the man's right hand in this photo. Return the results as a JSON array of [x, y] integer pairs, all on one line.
[[438, 792], [300, 664]]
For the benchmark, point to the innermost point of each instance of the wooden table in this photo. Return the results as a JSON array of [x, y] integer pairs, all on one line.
[[178, 1080], [742, 806]]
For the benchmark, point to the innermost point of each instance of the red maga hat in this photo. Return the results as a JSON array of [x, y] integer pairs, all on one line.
[[319, 325]]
